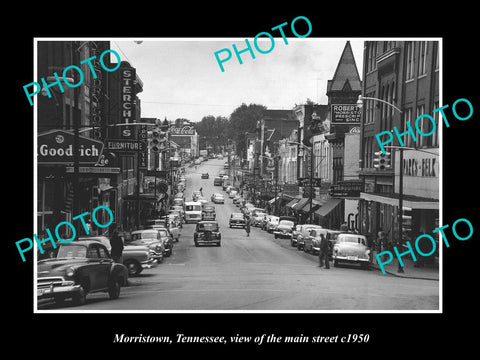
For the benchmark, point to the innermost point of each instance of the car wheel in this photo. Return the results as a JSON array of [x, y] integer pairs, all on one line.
[[80, 297], [133, 267], [114, 289], [196, 244]]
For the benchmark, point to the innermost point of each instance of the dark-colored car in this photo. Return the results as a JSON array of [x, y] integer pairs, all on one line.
[[208, 211], [207, 232], [80, 267], [284, 229], [205, 176], [237, 220], [217, 181]]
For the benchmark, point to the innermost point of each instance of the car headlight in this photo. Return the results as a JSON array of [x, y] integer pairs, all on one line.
[[70, 271]]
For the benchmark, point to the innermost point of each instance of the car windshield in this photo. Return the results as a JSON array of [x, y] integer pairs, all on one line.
[[207, 226], [351, 238], [145, 235], [193, 207], [286, 223], [72, 251], [208, 208], [237, 216]]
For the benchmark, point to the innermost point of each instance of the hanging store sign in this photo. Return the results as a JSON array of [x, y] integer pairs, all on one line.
[[184, 130], [345, 114], [57, 147], [127, 99]]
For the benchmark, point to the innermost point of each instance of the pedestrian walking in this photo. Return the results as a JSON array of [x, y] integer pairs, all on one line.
[[323, 253], [117, 247], [247, 225]]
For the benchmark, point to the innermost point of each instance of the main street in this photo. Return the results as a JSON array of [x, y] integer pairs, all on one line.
[[257, 273]]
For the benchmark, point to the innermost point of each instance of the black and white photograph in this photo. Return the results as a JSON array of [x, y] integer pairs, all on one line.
[[296, 179], [189, 194]]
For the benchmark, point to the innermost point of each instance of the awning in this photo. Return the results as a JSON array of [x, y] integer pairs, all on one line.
[[293, 202], [409, 201], [300, 204], [272, 200], [328, 206], [315, 205]]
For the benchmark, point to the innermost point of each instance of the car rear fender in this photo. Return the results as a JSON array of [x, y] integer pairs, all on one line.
[[119, 271]]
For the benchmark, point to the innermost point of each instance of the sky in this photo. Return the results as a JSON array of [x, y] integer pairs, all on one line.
[[182, 79]]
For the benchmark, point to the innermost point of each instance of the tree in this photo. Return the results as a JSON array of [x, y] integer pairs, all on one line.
[[211, 131], [242, 120]]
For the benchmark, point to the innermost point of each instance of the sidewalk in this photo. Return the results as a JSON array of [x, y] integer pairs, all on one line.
[[428, 272]]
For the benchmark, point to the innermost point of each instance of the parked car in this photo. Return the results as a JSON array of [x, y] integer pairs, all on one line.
[[312, 241], [137, 257], [351, 248], [237, 220], [178, 202], [179, 209], [217, 181], [197, 162], [284, 229], [258, 218], [80, 267], [232, 193], [226, 183], [151, 239], [208, 211], [300, 233], [205, 176], [272, 222], [220, 157], [218, 199], [207, 232], [167, 238], [237, 199]]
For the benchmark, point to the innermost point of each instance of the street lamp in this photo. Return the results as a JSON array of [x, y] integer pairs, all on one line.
[[361, 98]]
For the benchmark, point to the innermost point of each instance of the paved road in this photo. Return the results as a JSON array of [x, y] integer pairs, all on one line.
[[257, 273]]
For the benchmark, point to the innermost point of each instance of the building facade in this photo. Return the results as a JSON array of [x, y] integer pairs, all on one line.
[[405, 76]]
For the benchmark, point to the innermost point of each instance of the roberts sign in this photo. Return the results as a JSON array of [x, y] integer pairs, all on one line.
[[56, 147]]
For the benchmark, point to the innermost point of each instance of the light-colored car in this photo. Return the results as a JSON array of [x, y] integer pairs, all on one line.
[[272, 222], [257, 218], [312, 241], [284, 229], [232, 193], [300, 233], [351, 248], [150, 238], [218, 199]]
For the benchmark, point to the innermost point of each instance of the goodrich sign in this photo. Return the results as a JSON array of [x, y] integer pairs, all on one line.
[[56, 147]]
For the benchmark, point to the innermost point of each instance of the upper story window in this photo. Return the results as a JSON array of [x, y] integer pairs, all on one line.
[[410, 60]]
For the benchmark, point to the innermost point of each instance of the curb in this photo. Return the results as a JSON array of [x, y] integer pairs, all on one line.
[[376, 267]]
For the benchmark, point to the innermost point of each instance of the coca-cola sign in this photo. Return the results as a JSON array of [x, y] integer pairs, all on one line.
[[184, 130]]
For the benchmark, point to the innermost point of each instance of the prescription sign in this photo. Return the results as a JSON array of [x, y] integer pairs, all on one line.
[[345, 114]]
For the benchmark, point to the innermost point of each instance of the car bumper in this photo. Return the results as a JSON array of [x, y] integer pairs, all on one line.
[[352, 259], [150, 263], [283, 235], [66, 289], [234, 224]]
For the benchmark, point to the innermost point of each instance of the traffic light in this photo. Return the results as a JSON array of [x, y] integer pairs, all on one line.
[[381, 160], [157, 140]]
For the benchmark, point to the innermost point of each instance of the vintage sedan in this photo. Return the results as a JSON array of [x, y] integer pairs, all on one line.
[[218, 199], [301, 233], [207, 232], [284, 229], [138, 256], [208, 211], [237, 220], [351, 248], [158, 233], [80, 267], [272, 223], [205, 176], [312, 242], [258, 218]]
